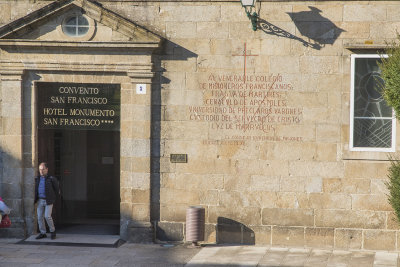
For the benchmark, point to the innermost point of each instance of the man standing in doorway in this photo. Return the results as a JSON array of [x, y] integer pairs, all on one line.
[[46, 192]]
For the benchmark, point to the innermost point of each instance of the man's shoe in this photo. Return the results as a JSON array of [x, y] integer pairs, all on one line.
[[40, 236], [53, 235]]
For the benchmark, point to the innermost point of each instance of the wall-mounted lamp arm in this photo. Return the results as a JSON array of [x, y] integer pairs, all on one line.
[[253, 18], [252, 15]]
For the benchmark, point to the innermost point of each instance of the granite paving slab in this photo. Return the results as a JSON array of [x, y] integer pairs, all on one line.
[[14, 254]]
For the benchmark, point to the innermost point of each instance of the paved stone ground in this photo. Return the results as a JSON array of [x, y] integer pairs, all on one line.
[[16, 255]]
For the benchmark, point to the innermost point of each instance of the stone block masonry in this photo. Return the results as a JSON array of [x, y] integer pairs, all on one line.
[[263, 116]]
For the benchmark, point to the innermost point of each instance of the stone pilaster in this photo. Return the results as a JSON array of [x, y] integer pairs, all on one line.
[[135, 159], [11, 157]]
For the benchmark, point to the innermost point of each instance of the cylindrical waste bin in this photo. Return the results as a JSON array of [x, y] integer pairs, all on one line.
[[195, 224]]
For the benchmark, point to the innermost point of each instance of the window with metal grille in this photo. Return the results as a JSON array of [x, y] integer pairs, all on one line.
[[372, 122]]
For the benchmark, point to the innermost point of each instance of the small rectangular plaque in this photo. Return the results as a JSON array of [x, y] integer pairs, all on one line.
[[178, 158], [107, 160], [141, 89]]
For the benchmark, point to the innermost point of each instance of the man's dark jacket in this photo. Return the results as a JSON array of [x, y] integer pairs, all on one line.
[[51, 189]]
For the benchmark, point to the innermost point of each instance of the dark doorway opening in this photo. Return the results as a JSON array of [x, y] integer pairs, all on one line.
[[87, 165]]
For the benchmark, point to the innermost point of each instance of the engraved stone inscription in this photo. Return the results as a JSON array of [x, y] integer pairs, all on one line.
[[247, 107], [78, 106]]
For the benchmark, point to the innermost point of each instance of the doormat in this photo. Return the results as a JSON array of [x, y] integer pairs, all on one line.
[[76, 240]]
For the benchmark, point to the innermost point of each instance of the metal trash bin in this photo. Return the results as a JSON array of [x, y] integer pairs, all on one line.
[[195, 224]]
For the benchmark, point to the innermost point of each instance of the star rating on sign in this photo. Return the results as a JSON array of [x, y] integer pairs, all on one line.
[[107, 121]]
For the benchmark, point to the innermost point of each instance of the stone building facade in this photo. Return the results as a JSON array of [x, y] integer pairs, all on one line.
[[278, 133]]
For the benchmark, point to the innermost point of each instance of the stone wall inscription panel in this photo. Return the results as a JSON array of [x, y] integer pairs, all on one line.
[[249, 107]]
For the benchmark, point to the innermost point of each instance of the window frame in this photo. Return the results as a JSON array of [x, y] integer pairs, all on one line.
[[352, 94], [76, 26]]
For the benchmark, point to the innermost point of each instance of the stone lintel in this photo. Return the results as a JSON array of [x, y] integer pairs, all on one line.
[[132, 70], [11, 75], [365, 46], [143, 77]]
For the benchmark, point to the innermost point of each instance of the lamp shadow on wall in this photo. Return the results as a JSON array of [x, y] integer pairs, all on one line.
[[319, 30], [233, 232]]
